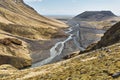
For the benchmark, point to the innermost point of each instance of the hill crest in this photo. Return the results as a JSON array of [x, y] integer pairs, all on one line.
[[95, 15]]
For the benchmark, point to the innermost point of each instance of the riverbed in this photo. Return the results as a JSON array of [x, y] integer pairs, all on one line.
[[76, 41]]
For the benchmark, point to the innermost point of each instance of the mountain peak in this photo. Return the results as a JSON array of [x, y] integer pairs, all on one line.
[[95, 15]]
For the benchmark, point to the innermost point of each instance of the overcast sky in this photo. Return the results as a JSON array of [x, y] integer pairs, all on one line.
[[73, 7]]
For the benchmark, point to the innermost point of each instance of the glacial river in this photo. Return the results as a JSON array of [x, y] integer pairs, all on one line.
[[57, 50], [74, 35]]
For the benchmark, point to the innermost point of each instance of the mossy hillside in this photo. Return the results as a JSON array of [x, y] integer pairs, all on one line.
[[18, 15], [110, 37], [14, 52], [99, 64], [31, 31]]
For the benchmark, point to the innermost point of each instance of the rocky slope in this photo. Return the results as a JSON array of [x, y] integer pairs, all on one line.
[[93, 24], [95, 19], [110, 37], [101, 64], [20, 22], [14, 52], [26, 22]]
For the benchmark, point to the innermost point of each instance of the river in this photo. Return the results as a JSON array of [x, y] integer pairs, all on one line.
[[74, 35], [56, 52]]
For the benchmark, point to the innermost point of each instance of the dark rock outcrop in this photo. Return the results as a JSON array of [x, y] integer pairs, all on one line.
[[110, 37]]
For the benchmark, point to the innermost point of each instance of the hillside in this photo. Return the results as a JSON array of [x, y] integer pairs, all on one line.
[[93, 24], [102, 64], [14, 51], [95, 19], [24, 34], [110, 37], [26, 22], [95, 15], [98, 64]]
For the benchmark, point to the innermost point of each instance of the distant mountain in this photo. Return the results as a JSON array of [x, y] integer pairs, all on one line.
[[93, 24], [95, 19], [95, 15], [20, 19]]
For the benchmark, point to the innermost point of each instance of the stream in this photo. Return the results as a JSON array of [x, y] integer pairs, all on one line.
[[57, 49], [65, 47]]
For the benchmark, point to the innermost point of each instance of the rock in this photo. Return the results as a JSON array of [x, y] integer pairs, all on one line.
[[95, 15], [116, 75], [16, 41], [14, 52], [15, 61]]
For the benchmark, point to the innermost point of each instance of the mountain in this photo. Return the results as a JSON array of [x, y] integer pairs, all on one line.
[[18, 18], [94, 15], [93, 24], [102, 64], [95, 19], [25, 34]]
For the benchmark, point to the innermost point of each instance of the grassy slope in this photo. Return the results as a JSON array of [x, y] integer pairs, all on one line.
[[21, 14], [99, 64]]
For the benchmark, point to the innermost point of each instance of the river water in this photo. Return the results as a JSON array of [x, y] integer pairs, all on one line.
[[58, 51]]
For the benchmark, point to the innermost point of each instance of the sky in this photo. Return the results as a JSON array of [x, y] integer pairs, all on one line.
[[73, 7]]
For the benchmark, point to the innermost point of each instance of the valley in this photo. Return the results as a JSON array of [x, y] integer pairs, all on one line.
[[57, 47]]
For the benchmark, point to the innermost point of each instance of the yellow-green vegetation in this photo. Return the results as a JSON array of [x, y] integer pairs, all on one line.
[[30, 31], [103, 24], [23, 20], [7, 67], [99, 64], [14, 52]]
